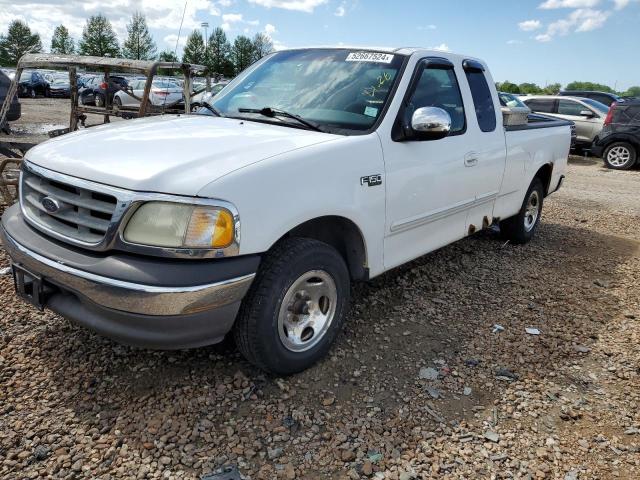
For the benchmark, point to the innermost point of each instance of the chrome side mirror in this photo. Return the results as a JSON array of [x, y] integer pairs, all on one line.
[[587, 113], [430, 123]]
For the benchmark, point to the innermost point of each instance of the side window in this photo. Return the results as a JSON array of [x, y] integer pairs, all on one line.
[[482, 100], [569, 107], [438, 87], [540, 105]]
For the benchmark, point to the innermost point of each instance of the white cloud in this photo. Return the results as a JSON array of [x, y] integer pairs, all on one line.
[[299, 5], [514, 42], [427, 27], [443, 47], [340, 11], [620, 4], [225, 3], [269, 29], [529, 25], [232, 17], [553, 4], [580, 20], [171, 39]]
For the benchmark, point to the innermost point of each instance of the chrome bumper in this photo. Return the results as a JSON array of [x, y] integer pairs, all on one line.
[[130, 297]]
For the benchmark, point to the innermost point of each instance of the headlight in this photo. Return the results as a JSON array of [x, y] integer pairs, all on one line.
[[178, 225]]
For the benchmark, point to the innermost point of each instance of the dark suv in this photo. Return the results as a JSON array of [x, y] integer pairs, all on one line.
[[619, 141], [14, 111], [602, 97], [32, 83], [95, 90]]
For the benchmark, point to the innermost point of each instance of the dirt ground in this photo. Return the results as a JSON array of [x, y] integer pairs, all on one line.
[[434, 375]]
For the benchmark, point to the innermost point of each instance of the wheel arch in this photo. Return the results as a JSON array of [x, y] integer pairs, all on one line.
[[342, 234], [544, 173], [621, 137]]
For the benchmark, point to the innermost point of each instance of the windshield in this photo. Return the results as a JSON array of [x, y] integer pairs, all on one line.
[[334, 89], [601, 107]]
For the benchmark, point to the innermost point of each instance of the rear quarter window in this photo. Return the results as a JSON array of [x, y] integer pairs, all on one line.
[[482, 100], [540, 105]]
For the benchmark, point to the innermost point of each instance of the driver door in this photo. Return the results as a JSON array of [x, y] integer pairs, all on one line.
[[430, 185]]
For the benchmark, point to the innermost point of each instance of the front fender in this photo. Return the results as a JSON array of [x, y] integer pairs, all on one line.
[[278, 194]]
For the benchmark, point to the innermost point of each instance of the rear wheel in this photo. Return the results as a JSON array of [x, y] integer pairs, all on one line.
[[295, 307], [32, 93], [117, 104], [522, 227], [620, 156], [99, 100]]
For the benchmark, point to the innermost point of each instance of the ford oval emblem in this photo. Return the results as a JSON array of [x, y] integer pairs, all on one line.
[[51, 205]]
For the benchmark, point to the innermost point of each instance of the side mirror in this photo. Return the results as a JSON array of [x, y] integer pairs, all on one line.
[[430, 123], [587, 113]]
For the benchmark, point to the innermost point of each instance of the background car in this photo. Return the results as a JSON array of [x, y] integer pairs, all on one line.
[[95, 90], [619, 141], [587, 114], [32, 83], [60, 87], [196, 100], [602, 97], [163, 92], [14, 111]]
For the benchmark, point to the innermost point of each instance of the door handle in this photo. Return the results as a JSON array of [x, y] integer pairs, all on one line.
[[470, 159]]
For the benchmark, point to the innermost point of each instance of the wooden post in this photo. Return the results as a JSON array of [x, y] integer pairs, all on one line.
[[73, 93], [186, 90]]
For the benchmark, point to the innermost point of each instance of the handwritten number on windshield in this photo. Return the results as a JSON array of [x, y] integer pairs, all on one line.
[[380, 81]]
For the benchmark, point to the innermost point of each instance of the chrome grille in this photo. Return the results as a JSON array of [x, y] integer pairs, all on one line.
[[84, 215]]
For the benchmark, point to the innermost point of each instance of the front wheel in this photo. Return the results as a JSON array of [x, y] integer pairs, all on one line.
[[620, 156], [99, 100], [295, 306], [522, 227]]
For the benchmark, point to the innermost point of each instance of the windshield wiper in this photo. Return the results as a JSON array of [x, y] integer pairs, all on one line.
[[211, 108], [273, 112]]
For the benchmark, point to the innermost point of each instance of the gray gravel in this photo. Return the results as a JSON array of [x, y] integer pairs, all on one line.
[[562, 404]]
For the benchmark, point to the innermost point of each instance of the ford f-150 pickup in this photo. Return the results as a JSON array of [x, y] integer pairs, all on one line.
[[313, 168]]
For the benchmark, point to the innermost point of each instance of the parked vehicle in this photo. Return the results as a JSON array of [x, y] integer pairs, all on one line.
[[95, 90], [588, 115], [312, 168], [605, 98], [162, 92], [196, 100], [60, 87], [32, 83], [619, 141], [15, 110]]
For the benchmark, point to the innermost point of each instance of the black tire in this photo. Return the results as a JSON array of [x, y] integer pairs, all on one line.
[[620, 156], [521, 228], [257, 329], [99, 100], [117, 104], [32, 93]]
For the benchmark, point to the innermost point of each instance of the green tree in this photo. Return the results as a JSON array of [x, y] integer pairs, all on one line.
[[18, 41], [241, 53], [194, 49], [139, 44], [219, 52], [98, 38], [262, 45], [632, 92], [552, 89], [589, 86], [529, 88], [61, 42], [168, 56], [508, 87]]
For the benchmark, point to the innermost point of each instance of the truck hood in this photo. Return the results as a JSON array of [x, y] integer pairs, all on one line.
[[168, 154]]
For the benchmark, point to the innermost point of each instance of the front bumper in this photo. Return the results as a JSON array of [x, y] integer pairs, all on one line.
[[144, 301]]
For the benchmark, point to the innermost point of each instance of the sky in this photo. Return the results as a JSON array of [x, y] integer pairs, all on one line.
[[540, 41]]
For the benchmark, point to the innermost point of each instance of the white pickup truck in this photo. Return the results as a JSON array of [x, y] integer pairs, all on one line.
[[313, 168]]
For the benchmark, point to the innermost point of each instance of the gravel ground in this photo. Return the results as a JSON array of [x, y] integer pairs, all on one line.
[[421, 383]]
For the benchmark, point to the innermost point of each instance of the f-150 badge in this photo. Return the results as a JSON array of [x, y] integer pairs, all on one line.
[[371, 180]]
